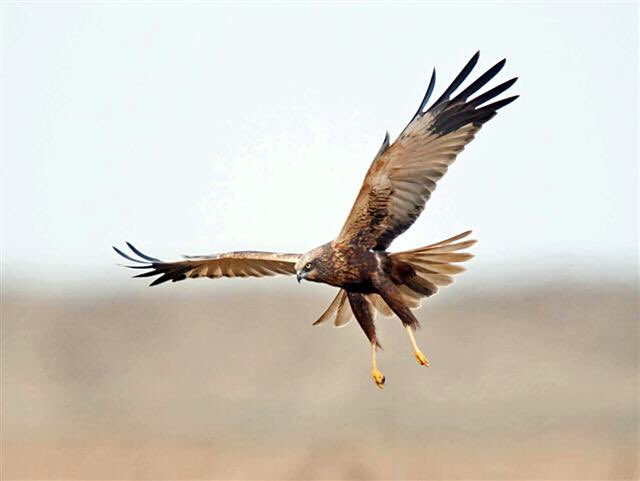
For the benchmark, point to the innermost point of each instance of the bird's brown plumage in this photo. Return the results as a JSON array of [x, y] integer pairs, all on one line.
[[431, 267], [399, 182], [230, 264], [403, 175]]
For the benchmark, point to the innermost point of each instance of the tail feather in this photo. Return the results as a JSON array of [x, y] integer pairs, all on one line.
[[411, 297], [440, 268], [432, 266], [450, 240], [443, 249]]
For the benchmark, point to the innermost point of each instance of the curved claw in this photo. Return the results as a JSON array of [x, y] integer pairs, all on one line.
[[421, 358], [378, 378]]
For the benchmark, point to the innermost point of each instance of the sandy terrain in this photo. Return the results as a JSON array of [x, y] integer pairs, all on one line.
[[530, 382]]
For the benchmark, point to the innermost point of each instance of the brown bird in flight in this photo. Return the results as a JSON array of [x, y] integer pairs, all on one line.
[[394, 192]]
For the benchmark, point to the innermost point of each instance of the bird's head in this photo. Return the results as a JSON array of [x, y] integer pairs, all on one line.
[[311, 265]]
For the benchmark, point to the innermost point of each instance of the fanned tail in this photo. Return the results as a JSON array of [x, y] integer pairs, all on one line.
[[431, 266]]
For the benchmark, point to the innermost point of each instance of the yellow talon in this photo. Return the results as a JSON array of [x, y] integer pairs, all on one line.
[[422, 360], [378, 378]]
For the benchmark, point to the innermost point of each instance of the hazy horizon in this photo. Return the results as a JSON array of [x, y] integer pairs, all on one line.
[[175, 130]]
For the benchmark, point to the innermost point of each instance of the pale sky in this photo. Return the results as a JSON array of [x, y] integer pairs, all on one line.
[[200, 127]]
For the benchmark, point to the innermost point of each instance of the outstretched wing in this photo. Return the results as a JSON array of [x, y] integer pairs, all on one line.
[[230, 264], [403, 175]]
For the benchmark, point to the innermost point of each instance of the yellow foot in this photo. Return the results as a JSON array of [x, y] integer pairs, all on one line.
[[378, 378], [422, 360]]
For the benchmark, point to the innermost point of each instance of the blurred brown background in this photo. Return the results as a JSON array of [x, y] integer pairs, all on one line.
[[228, 380], [197, 127]]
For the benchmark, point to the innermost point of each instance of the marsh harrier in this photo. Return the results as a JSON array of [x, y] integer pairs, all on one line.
[[398, 183]]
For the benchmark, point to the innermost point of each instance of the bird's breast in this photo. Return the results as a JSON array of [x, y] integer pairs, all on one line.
[[353, 268]]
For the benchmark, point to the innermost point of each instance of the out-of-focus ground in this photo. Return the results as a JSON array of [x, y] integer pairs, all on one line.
[[231, 381]]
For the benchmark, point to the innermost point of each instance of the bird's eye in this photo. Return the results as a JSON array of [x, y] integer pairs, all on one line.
[[308, 266]]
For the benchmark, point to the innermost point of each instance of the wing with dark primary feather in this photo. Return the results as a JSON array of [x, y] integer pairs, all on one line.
[[403, 175], [230, 264]]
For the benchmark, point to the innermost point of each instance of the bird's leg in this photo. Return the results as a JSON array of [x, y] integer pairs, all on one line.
[[422, 360], [362, 310], [377, 376], [392, 296]]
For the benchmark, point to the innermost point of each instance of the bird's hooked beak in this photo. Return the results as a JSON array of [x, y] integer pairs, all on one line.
[[299, 276]]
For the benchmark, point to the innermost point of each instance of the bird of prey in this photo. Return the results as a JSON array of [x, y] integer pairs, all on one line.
[[396, 187]]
